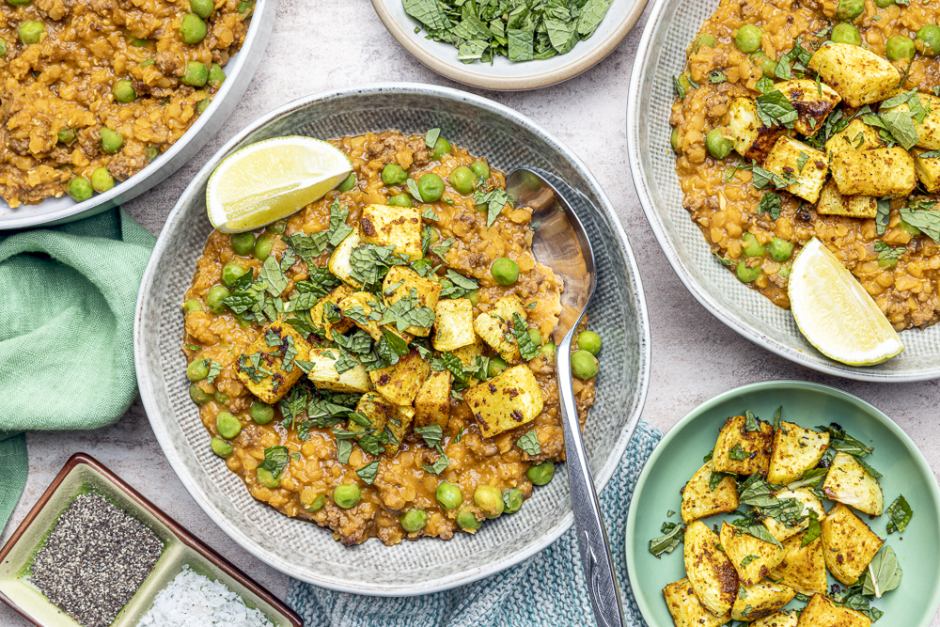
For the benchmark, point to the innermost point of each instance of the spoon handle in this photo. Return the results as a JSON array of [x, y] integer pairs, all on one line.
[[592, 537]]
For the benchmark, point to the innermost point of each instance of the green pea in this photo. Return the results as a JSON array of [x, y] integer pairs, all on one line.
[[192, 305], [674, 140], [467, 521], [431, 187], [111, 141], [583, 365], [221, 448], [139, 43], [512, 499], [232, 272], [214, 299], [394, 174], [745, 274], [751, 247], [317, 504], [79, 189], [222, 398], [267, 479], [548, 351], [928, 40], [889, 264], [748, 37], [67, 135], [496, 365], [261, 413], [196, 74], [18, 3], [535, 336], [202, 8], [192, 29], [883, 4], [474, 297], [400, 200], [203, 104], [348, 183], [3, 48], [910, 228], [845, 33], [480, 169], [123, 91], [900, 47], [199, 397], [718, 145], [441, 148], [505, 271], [685, 83], [347, 496], [216, 76], [152, 153], [780, 249], [463, 180], [101, 180], [31, 32], [589, 341], [227, 425], [263, 247], [277, 227], [414, 520], [767, 65], [449, 496], [197, 370], [243, 243], [703, 40], [541, 474], [245, 7], [489, 500], [849, 9]]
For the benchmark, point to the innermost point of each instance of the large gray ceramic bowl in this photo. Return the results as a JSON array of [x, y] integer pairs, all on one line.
[[301, 549], [660, 56], [239, 70]]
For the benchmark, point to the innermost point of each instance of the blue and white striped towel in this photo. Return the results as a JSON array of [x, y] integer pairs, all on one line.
[[547, 590]]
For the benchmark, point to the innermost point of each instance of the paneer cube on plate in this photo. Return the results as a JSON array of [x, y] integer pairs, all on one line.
[[400, 383], [928, 131], [700, 501], [360, 308], [806, 167], [820, 612], [709, 569], [468, 354], [848, 544], [262, 368], [879, 172], [324, 314], [339, 263], [735, 441], [858, 75], [508, 400], [856, 136], [752, 558], [751, 139], [496, 328], [785, 618], [928, 169], [432, 405], [808, 502], [848, 482], [687, 610], [400, 227], [453, 326], [326, 376], [796, 450], [404, 283], [760, 600], [832, 203], [382, 415], [813, 102], [803, 567]]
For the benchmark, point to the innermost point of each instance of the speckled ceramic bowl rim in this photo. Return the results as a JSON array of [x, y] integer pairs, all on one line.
[[535, 80], [677, 429], [147, 391]]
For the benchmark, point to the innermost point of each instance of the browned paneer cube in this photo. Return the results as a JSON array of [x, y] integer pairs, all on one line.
[[700, 501], [858, 75], [880, 172], [813, 102], [856, 136], [832, 203], [325, 374], [358, 307], [400, 227], [453, 327], [820, 612], [848, 544], [803, 567], [752, 448], [796, 450], [508, 400], [400, 383], [496, 327], [760, 600], [340, 260], [752, 558], [382, 415], [803, 167], [432, 405], [687, 610], [262, 367], [327, 315], [404, 283], [709, 569], [751, 139], [848, 482], [928, 169]]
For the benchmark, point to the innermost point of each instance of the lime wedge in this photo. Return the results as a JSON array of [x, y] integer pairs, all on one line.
[[274, 178], [835, 313]]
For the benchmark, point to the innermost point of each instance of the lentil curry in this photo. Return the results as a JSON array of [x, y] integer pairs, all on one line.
[[103, 87], [799, 90], [466, 418]]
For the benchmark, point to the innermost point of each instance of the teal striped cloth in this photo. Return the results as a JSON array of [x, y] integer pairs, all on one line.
[[547, 590]]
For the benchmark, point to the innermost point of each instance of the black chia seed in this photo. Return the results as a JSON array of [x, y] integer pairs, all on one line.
[[94, 560]]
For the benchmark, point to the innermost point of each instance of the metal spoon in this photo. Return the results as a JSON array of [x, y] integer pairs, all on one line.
[[561, 243]]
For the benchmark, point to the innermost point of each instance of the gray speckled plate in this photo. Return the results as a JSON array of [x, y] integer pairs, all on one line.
[[304, 550]]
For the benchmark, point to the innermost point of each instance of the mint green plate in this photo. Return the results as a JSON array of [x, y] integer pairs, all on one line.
[[905, 471]]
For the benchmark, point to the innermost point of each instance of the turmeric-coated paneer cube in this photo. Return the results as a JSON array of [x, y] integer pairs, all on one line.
[[848, 544], [326, 313], [400, 383], [848, 482], [700, 501], [858, 75], [399, 428], [803, 167], [508, 400], [752, 558], [339, 263], [796, 450], [741, 451], [832, 203], [928, 169], [468, 354], [879, 172], [325, 375], [803, 567], [400, 227], [813, 102], [496, 327], [687, 610], [752, 140], [402, 282], [453, 326], [928, 130], [360, 307], [382, 415], [432, 405], [760, 600], [784, 618], [856, 136], [261, 367], [820, 612], [709, 569], [808, 502]]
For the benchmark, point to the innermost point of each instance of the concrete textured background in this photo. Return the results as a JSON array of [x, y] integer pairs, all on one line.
[[327, 44]]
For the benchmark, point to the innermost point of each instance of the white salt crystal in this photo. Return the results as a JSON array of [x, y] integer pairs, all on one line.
[[194, 600]]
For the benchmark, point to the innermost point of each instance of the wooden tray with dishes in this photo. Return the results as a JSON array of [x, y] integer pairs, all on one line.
[[83, 474]]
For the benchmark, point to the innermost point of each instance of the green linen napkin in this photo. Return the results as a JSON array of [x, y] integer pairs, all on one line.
[[67, 299]]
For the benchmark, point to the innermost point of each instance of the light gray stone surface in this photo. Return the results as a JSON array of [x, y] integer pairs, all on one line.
[[320, 45]]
